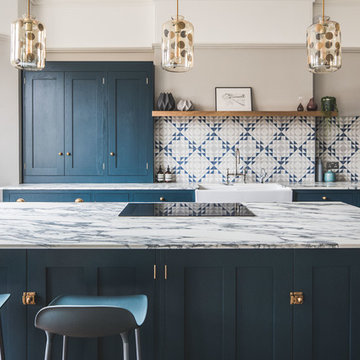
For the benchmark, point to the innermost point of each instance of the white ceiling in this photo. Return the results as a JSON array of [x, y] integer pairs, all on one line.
[[54, 2]]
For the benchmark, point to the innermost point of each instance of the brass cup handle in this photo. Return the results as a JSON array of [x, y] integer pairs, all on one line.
[[79, 200], [162, 198], [324, 198], [68, 154], [112, 154], [61, 154], [28, 298], [20, 200]]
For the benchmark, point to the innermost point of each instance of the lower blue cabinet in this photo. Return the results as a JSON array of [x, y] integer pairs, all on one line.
[[203, 304], [90, 272], [13, 314], [351, 197], [100, 196], [227, 304]]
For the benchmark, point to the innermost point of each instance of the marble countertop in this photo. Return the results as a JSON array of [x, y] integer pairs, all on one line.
[[102, 186], [97, 225], [338, 185]]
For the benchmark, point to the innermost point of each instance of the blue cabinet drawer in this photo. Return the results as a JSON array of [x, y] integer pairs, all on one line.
[[46, 196], [347, 196], [167, 196], [111, 196]]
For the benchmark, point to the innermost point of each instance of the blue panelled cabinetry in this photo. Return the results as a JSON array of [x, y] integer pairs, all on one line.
[[100, 195], [351, 197], [204, 304], [88, 122]]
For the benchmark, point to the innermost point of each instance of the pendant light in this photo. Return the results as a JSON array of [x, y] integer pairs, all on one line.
[[177, 45], [324, 45], [28, 43]]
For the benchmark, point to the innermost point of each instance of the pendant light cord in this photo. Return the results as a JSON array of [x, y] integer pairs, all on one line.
[[28, 9], [177, 10], [323, 11]]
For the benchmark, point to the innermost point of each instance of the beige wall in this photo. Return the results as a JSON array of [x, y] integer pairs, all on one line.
[[9, 123], [278, 76], [343, 84]]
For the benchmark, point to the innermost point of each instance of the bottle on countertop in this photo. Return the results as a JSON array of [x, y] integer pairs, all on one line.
[[168, 175], [160, 176], [319, 171]]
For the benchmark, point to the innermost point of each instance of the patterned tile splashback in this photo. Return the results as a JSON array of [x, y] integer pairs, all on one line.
[[338, 139], [200, 149]]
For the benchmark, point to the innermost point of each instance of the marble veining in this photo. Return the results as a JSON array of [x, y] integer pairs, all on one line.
[[107, 186], [97, 225], [339, 185]]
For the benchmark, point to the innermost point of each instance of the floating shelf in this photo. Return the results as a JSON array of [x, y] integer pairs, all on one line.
[[239, 113]]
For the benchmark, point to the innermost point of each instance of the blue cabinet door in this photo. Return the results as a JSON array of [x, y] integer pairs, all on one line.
[[90, 272], [227, 304], [327, 325], [84, 123], [47, 196], [13, 314], [167, 196], [43, 123], [130, 133], [347, 196]]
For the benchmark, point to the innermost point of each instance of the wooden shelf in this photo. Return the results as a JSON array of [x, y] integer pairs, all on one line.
[[239, 113]]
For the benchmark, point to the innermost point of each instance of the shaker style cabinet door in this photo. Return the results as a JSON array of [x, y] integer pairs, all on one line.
[[84, 123], [327, 324], [43, 124], [227, 304], [90, 272], [13, 313], [130, 126]]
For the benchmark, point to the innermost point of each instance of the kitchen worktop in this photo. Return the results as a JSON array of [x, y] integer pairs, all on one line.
[[97, 225], [103, 186], [338, 185]]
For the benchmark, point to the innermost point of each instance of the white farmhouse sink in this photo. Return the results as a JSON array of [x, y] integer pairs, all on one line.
[[255, 192]]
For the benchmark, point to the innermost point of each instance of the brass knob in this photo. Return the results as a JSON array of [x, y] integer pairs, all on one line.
[[324, 198], [162, 198], [68, 154], [79, 200], [61, 154], [20, 200], [112, 154]]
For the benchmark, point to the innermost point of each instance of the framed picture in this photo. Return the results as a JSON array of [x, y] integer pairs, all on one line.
[[233, 98]]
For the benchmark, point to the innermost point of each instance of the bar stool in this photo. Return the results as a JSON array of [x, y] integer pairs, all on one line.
[[93, 316], [3, 299]]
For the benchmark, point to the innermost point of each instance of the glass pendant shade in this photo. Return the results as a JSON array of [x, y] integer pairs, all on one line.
[[324, 46], [28, 44], [177, 45]]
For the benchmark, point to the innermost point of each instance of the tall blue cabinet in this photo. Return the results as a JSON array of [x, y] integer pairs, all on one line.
[[88, 122]]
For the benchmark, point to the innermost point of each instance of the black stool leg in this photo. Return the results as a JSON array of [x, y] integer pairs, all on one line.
[[49, 338], [125, 339], [65, 347], [138, 344], [2, 352]]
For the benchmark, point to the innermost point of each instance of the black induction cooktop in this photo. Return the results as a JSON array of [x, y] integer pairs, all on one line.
[[184, 209]]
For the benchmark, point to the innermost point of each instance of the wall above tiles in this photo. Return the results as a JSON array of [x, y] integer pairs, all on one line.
[[137, 23]]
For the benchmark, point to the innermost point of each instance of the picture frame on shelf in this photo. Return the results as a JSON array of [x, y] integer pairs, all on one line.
[[233, 99]]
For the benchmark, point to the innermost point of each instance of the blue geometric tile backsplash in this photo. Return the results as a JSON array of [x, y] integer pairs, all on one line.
[[339, 140], [200, 149]]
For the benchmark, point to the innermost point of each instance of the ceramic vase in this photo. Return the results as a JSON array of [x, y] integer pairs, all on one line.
[[185, 105], [166, 102], [312, 106]]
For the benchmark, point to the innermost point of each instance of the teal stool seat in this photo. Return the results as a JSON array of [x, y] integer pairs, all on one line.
[[93, 316], [3, 299]]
